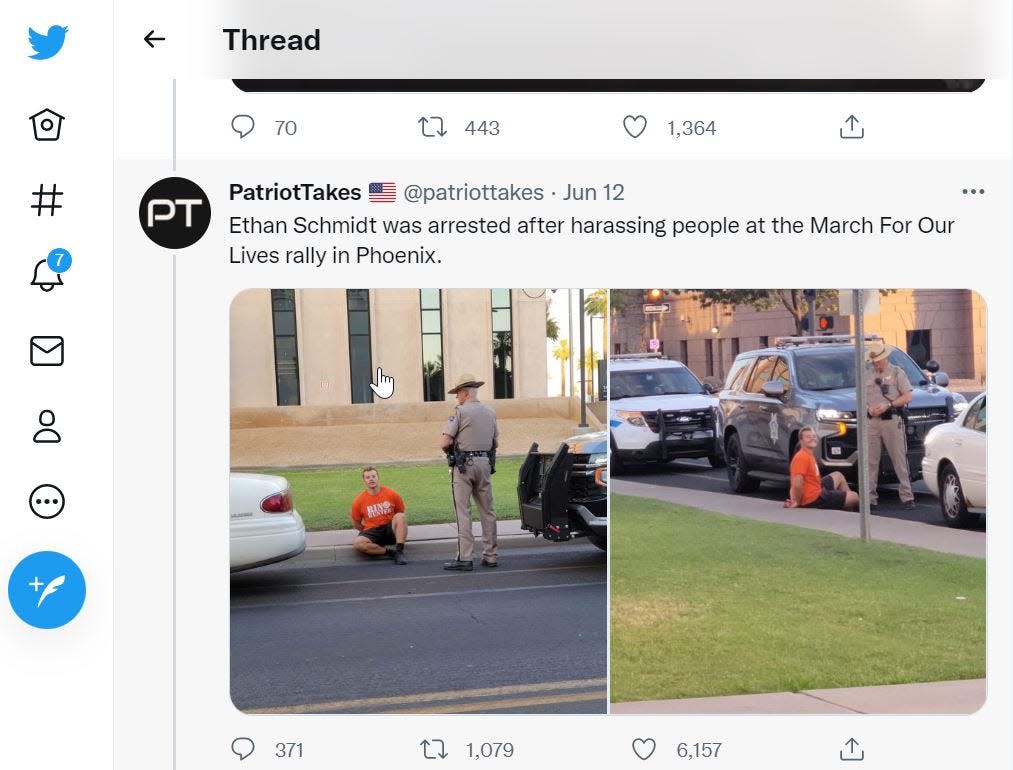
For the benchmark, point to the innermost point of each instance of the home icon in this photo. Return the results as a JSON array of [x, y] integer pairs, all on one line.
[[46, 125]]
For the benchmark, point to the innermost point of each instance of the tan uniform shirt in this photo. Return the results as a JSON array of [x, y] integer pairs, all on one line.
[[473, 424], [893, 378]]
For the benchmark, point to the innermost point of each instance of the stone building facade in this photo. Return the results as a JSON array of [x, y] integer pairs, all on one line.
[[947, 325], [321, 347]]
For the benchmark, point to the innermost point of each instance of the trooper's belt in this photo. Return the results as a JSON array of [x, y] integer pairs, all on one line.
[[889, 414], [483, 453]]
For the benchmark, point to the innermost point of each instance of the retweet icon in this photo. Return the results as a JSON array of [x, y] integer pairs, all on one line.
[[48, 45]]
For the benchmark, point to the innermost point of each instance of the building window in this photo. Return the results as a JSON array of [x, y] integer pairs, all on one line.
[[764, 341], [432, 345], [502, 344], [286, 351], [735, 347], [360, 359], [709, 351], [919, 346], [684, 351]]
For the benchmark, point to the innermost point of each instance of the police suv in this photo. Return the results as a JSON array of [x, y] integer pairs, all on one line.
[[770, 394], [659, 411]]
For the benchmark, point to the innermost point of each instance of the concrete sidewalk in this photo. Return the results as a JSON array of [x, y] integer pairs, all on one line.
[[334, 546], [960, 697], [929, 536]]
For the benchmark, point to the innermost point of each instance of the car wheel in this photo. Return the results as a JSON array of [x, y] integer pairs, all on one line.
[[616, 465], [716, 461], [599, 541], [951, 499], [738, 471]]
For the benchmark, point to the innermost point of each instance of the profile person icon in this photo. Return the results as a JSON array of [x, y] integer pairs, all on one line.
[[46, 434]]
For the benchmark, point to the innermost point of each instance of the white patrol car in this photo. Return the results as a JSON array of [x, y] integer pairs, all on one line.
[[659, 411]]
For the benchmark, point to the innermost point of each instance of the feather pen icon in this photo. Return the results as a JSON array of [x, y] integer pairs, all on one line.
[[51, 589]]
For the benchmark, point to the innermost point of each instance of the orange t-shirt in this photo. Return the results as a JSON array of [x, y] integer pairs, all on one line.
[[369, 511], [804, 464]]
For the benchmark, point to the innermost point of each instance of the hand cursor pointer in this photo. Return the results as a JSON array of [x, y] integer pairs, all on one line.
[[384, 386]]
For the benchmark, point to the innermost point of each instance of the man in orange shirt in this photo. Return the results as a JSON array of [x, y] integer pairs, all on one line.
[[808, 490], [378, 513]]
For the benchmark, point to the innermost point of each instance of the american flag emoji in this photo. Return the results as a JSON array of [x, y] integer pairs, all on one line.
[[382, 192]]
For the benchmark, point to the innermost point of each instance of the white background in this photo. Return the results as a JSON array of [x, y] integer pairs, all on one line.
[[206, 283], [57, 686], [102, 690]]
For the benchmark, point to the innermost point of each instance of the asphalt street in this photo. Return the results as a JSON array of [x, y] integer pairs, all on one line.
[[527, 637], [698, 474]]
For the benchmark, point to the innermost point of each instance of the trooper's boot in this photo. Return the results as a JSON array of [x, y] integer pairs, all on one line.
[[458, 565]]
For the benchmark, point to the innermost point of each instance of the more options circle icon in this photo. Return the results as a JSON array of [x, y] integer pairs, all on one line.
[[175, 212], [46, 590], [46, 501]]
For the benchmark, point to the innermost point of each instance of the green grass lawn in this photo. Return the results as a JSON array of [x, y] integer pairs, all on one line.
[[323, 497], [707, 604]]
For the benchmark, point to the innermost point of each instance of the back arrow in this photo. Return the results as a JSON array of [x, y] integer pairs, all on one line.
[[150, 38]]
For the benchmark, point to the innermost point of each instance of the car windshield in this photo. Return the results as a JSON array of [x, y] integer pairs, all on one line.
[[654, 382], [833, 369]]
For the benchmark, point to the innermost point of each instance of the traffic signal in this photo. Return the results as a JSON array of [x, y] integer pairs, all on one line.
[[825, 323]]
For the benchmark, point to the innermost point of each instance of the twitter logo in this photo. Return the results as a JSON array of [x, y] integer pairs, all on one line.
[[47, 46]]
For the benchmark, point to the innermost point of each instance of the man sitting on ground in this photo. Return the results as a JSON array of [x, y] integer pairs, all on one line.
[[378, 513], [808, 490]]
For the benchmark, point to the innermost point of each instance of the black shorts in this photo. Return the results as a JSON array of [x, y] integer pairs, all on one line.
[[830, 498], [382, 535]]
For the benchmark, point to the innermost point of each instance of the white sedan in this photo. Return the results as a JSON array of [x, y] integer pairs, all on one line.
[[954, 465], [264, 527]]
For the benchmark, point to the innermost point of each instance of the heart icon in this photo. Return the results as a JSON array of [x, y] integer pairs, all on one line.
[[635, 125], [643, 747]]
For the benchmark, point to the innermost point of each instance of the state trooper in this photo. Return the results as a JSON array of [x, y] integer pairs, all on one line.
[[470, 437], [887, 392]]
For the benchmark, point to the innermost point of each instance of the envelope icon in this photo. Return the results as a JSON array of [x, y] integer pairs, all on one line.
[[46, 351]]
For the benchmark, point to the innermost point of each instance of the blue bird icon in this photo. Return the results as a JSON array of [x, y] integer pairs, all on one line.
[[47, 46]]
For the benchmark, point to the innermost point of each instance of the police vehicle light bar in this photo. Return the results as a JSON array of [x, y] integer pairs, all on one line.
[[784, 342]]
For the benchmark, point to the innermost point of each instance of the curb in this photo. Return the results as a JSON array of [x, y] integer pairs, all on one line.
[[961, 696], [334, 555]]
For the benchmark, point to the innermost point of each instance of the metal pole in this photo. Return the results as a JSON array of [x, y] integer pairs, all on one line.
[[810, 298], [590, 320], [861, 418], [569, 334], [583, 369]]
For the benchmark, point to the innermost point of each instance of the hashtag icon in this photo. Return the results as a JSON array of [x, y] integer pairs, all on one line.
[[46, 199]]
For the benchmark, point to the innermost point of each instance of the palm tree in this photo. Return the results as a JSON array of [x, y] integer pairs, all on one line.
[[551, 326], [432, 379], [596, 304], [502, 364], [590, 366], [561, 351]]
